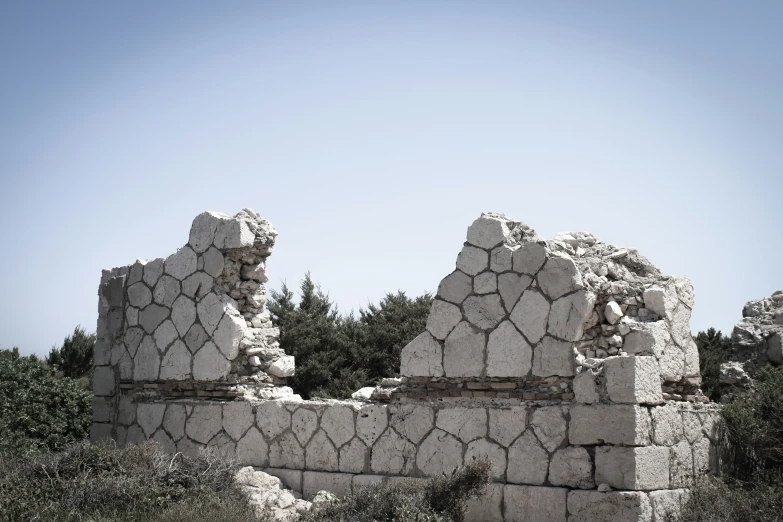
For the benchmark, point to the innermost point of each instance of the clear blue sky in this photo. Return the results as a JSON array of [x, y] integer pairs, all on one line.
[[373, 133]]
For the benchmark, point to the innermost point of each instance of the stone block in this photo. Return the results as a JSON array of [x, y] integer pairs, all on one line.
[[506, 424], [237, 418], [530, 315], [511, 286], [534, 503], [568, 315], [422, 357], [553, 357], [149, 415], [165, 334], [183, 314], [500, 258], [252, 449], [336, 483], [304, 424], [442, 319], [152, 272], [667, 425], [371, 421], [321, 454], [559, 276], [529, 258], [291, 478], [102, 409], [440, 453], [176, 363], [571, 466], [174, 421], [614, 506], [472, 260], [353, 456], [585, 388], [209, 364], [629, 425], [463, 353], [181, 264], [205, 421], [286, 452], [484, 311], [363, 481], [230, 331], [337, 422], [508, 353], [492, 452], [528, 461], [100, 432], [233, 233], [488, 231], [642, 468], [213, 262], [487, 507], [392, 454], [455, 287], [152, 316], [667, 504], [550, 426], [485, 283], [651, 338], [103, 381], [466, 424], [633, 380], [139, 295]]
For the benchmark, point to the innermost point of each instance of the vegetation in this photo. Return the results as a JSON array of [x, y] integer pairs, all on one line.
[[336, 355], [74, 358], [441, 499], [137, 483], [37, 408], [714, 349]]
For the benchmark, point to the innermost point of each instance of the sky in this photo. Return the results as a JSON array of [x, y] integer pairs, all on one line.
[[371, 134]]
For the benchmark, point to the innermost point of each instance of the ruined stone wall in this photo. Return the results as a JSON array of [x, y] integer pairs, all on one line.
[[567, 363]]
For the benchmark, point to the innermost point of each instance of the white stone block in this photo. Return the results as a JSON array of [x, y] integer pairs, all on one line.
[[484, 311], [371, 421], [165, 334], [233, 233], [147, 361], [465, 423], [455, 287], [667, 425], [500, 258], [506, 424], [392, 455], [613, 312], [291, 478], [488, 231], [205, 421], [103, 381], [412, 421], [681, 464], [550, 426], [337, 483], [183, 314], [273, 418], [568, 315], [442, 319], [472, 260], [209, 364], [152, 271], [609, 424], [150, 417], [481, 449], [508, 353], [528, 461], [237, 418], [485, 283], [487, 507], [213, 262], [615, 506], [139, 295], [422, 357], [553, 357], [633, 380], [286, 451], [174, 421], [252, 449], [304, 424], [463, 353], [642, 468], [667, 504], [530, 315], [353, 456], [585, 389], [166, 291], [283, 366], [181, 264], [529, 258], [152, 316], [321, 454], [534, 503], [571, 466], [648, 339], [511, 286], [337, 422], [439, 453], [559, 276]]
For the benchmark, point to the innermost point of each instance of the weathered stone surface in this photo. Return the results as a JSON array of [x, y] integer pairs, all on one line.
[[195, 338], [103, 381], [252, 448], [136, 272], [500, 259], [337, 422], [174, 421], [283, 366], [197, 285], [633, 380], [485, 283], [667, 504], [667, 425], [613, 312], [229, 332], [615, 506], [528, 462], [304, 422], [150, 416], [571, 466], [568, 315], [506, 424], [609, 424], [273, 418], [535, 504], [485, 311], [703, 457], [132, 316], [166, 444], [233, 233], [211, 310], [286, 452], [585, 389], [455, 287], [681, 464], [320, 453], [463, 354], [559, 276], [209, 364], [166, 291], [529, 258], [412, 421], [550, 426], [641, 468], [152, 272], [530, 315], [139, 295], [487, 507], [255, 272], [508, 353], [237, 418], [465, 423], [422, 357], [147, 361], [181, 264], [553, 357], [439, 453], [472, 260], [313, 482], [442, 319], [392, 454], [662, 301], [152, 316], [511, 286], [488, 231], [202, 231], [183, 314], [213, 262], [650, 338], [176, 363], [371, 421], [291, 478], [205, 421], [486, 449], [165, 334], [353, 456], [102, 409]]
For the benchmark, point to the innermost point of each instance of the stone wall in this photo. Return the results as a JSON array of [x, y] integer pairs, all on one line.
[[567, 363]]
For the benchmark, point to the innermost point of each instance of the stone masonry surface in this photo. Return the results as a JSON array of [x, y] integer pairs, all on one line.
[[568, 364]]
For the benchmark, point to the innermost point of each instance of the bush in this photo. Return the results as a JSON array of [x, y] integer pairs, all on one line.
[[74, 358], [37, 408], [714, 350], [437, 500], [137, 483]]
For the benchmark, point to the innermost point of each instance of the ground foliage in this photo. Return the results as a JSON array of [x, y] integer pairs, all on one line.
[[441, 499], [138, 483], [38, 409], [338, 354]]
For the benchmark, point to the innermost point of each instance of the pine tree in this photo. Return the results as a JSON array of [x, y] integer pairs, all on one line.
[[75, 358], [714, 349]]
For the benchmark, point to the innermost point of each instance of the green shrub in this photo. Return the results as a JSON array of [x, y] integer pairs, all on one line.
[[441, 499], [37, 408], [137, 483], [74, 358], [729, 500], [714, 350]]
